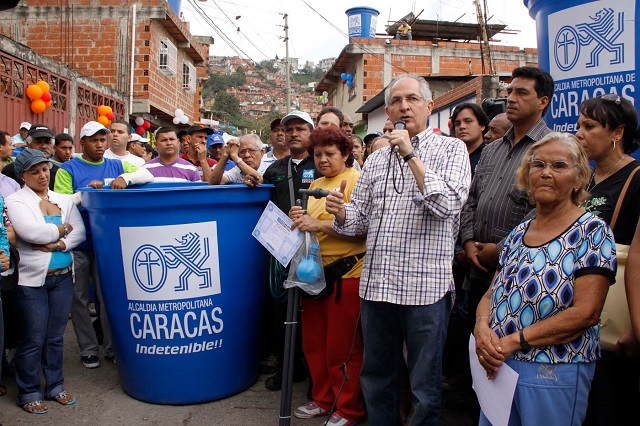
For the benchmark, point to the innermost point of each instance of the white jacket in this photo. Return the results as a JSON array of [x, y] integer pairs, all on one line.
[[23, 209]]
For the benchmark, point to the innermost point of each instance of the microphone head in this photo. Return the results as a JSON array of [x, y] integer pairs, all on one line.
[[400, 125]]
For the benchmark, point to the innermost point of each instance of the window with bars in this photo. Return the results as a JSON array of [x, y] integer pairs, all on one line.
[[168, 59], [188, 77]]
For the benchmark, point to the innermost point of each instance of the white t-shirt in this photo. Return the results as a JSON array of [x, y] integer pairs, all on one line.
[[129, 158]]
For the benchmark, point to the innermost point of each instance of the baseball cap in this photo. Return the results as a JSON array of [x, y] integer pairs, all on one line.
[[25, 125], [214, 139], [181, 133], [91, 128], [40, 131], [371, 136], [27, 159], [299, 115], [137, 138], [275, 123], [196, 128]]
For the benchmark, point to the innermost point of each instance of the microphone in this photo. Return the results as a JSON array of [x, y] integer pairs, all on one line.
[[400, 125], [315, 193]]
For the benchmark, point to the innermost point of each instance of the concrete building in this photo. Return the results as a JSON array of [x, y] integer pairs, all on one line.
[[162, 73], [373, 62], [326, 64]]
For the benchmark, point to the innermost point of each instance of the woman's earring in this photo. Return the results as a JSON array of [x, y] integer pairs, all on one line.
[[614, 144]]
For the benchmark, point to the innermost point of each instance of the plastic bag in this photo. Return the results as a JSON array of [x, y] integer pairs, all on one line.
[[305, 270]]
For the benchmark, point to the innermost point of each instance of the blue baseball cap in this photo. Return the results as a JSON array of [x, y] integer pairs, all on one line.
[[214, 139]]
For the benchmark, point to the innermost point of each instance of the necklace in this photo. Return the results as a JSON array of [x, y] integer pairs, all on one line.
[[45, 198], [592, 182]]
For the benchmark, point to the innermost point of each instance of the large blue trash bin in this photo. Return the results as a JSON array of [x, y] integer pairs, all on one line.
[[362, 22], [590, 48], [183, 284]]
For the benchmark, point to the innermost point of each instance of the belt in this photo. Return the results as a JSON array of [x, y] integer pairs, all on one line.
[[60, 271]]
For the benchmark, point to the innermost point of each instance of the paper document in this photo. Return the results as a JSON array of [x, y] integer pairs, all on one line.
[[495, 396], [273, 231]]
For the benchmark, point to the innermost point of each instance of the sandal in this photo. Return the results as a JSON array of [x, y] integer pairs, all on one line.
[[35, 407], [65, 398]]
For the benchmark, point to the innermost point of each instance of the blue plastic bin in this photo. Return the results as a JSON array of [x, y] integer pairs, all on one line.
[[183, 284], [362, 22]]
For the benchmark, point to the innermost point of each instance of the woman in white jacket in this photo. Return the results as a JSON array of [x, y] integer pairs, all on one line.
[[48, 226]]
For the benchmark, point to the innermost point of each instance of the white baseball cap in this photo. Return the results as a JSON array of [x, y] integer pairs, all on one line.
[[91, 128], [25, 125], [299, 115], [137, 138]]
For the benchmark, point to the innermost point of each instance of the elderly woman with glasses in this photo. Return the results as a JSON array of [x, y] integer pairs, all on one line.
[[48, 226], [541, 311], [608, 132]]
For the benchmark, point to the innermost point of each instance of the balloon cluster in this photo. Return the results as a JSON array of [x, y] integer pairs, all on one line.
[[105, 115], [347, 79], [324, 99], [40, 96], [180, 117], [142, 125]]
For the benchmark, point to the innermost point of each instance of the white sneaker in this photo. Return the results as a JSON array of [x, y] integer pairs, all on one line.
[[309, 410]]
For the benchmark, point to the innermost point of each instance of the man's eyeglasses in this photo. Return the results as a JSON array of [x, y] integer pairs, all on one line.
[[611, 97], [248, 151], [411, 100], [556, 166]]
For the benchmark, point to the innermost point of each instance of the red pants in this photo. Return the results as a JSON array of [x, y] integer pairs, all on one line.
[[328, 328]]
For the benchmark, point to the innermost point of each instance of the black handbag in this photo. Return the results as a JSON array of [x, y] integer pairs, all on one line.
[[9, 282], [333, 273]]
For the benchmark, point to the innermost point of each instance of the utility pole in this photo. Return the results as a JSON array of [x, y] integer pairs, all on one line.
[[286, 62], [486, 52]]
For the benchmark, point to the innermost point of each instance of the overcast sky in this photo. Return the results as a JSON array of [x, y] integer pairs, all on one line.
[[318, 28]]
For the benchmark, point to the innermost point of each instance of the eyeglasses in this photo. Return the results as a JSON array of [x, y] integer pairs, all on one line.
[[611, 97], [248, 151], [411, 100], [556, 166]]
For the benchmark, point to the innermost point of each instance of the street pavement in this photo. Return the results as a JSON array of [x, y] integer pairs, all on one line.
[[101, 401]]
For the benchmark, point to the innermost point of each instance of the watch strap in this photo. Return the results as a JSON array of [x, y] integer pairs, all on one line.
[[409, 156]]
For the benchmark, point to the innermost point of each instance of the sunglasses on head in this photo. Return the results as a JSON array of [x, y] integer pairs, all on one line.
[[611, 97]]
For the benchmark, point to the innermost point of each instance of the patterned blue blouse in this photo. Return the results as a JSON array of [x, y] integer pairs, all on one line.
[[534, 283]]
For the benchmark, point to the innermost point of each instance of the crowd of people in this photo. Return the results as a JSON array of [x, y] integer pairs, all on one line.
[[500, 229]]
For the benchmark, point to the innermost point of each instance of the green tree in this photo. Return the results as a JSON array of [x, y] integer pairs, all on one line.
[[229, 104]]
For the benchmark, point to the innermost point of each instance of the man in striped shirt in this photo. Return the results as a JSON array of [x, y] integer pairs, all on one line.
[[168, 166], [408, 201]]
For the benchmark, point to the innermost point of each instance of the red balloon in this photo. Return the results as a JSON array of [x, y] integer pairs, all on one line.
[[146, 125], [140, 130], [110, 116], [344, 81], [46, 97]]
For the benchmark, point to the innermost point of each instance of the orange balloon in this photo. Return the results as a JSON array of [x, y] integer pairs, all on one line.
[[103, 110], [48, 104], [103, 120], [43, 85], [38, 106], [109, 110], [34, 92]]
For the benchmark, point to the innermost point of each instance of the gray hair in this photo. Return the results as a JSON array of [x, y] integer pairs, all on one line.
[[578, 155], [253, 136], [424, 87]]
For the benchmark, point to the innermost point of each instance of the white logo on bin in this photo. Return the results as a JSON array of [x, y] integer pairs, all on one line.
[[171, 262], [591, 36]]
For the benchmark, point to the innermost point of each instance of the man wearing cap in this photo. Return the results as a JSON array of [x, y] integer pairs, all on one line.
[[135, 146], [168, 166], [20, 138], [215, 145], [120, 137], [288, 175], [40, 137], [92, 169], [368, 141], [279, 148], [197, 152], [246, 153], [62, 148], [184, 144]]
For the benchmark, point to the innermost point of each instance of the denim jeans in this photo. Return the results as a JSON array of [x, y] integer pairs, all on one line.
[[385, 327], [44, 312]]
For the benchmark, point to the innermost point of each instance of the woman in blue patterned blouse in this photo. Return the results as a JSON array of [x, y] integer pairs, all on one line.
[[540, 315]]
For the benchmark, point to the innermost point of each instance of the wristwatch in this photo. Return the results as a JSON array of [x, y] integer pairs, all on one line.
[[409, 156], [58, 246], [66, 229], [524, 345]]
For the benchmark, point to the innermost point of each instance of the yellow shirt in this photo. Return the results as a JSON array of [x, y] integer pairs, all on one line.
[[333, 248], [404, 29]]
